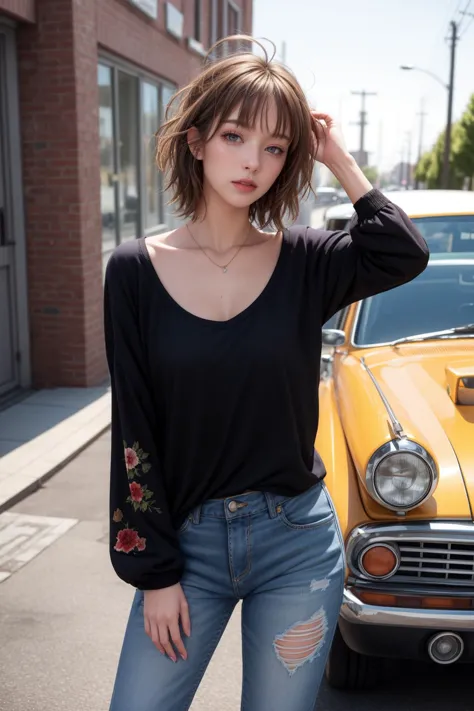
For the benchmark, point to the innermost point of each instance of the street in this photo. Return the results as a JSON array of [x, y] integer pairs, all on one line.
[[62, 617]]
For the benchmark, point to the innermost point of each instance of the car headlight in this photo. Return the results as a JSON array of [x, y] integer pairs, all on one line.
[[401, 475]]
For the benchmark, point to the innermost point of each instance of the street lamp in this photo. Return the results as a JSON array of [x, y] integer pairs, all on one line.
[[409, 67], [447, 140]]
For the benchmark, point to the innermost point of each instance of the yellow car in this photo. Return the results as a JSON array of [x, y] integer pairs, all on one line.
[[396, 434]]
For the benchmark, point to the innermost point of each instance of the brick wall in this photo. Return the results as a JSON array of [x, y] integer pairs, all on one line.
[[19, 9], [58, 57], [124, 30], [60, 142]]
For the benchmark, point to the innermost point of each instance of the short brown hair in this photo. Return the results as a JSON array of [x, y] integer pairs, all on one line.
[[249, 81]]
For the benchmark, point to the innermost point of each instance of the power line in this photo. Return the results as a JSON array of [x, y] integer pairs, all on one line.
[[439, 36], [463, 12], [467, 14]]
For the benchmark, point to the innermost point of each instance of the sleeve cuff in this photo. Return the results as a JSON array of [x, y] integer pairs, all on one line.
[[369, 204], [164, 580]]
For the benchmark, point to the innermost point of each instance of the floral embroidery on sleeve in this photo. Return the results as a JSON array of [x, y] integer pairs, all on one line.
[[128, 539], [141, 498], [135, 458]]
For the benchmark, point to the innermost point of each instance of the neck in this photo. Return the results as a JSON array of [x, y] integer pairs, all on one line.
[[220, 226]]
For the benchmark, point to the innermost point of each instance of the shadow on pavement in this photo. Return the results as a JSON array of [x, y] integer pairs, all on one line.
[[409, 686]]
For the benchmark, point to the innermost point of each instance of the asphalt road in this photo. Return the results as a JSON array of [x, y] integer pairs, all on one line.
[[62, 617]]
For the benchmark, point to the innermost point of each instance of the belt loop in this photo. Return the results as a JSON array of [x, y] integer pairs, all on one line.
[[271, 504], [196, 517]]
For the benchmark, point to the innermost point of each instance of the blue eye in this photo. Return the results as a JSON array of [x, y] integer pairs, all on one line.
[[232, 137], [229, 135]]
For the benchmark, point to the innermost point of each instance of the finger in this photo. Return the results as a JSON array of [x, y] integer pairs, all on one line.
[[177, 641], [165, 642], [154, 636], [185, 619], [319, 128], [321, 117]]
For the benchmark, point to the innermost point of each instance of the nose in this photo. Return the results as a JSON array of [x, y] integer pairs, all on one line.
[[251, 159]]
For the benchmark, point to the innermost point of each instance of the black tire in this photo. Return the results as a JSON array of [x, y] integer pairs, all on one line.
[[348, 670]]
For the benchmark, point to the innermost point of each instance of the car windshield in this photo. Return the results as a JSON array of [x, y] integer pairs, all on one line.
[[447, 234], [440, 298]]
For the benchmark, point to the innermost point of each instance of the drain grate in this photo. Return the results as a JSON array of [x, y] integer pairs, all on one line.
[[23, 537]]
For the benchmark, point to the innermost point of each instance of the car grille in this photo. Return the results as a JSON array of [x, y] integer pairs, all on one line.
[[436, 562]]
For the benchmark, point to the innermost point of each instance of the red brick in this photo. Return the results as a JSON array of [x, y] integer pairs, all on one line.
[[58, 54]]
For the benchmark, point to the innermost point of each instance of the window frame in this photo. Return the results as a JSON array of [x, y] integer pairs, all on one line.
[[115, 64]]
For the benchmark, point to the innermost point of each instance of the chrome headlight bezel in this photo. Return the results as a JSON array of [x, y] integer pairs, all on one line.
[[375, 544], [394, 447]]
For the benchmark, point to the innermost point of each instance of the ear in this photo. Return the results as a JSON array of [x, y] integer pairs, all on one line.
[[194, 142]]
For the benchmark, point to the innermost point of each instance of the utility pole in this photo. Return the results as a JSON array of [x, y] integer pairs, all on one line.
[[379, 155], [447, 143], [362, 123], [408, 160], [422, 115]]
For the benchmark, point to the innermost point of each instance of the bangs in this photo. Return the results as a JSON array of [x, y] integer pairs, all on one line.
[[251, 98]]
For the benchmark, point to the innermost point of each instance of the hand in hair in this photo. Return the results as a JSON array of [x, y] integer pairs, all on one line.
[[328, 141]]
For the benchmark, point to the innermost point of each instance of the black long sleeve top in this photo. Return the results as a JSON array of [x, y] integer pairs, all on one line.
[[206, 409]]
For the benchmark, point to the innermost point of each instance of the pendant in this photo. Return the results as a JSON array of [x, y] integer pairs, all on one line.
[[224, 269]]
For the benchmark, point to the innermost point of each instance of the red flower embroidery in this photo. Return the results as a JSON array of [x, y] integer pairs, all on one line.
[[131, 459], [141, 545], [127, 540], [136, 492]]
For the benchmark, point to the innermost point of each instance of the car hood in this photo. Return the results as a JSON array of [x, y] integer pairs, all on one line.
[[413, 379]]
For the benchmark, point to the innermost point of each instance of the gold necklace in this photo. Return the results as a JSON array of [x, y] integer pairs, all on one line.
[[224, 267]]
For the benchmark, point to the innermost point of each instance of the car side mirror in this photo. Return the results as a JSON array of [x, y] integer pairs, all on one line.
[[333, 337]]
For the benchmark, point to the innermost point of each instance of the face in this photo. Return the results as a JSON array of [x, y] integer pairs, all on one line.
[[236, 153]]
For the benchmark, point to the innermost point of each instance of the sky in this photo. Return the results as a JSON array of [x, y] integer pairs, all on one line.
[[341, 46]]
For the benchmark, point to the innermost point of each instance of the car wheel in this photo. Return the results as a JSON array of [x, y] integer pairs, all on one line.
[[346, 669]]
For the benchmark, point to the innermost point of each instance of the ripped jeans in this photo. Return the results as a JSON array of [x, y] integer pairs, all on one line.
[[284, 558]]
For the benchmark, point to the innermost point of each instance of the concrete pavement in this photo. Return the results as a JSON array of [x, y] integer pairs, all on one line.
[[63, 613], [43, 431]]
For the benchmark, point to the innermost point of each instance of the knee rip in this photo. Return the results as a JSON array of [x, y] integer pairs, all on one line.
[[301, 642]]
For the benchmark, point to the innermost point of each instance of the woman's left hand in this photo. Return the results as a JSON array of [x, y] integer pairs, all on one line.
[[328, 141]]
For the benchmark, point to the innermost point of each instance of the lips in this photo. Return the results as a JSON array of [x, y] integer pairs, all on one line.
[[247, 183]]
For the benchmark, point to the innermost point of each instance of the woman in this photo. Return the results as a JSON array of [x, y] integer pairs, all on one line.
[[213, 335]]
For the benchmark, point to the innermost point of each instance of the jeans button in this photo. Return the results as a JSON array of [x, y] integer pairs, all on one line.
[[233, 506]]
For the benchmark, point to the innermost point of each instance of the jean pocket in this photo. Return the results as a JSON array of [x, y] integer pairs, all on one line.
[[185, 525], [336, 521], [310, 509]]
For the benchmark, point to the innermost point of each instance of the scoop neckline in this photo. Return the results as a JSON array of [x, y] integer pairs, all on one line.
[[211, 322]]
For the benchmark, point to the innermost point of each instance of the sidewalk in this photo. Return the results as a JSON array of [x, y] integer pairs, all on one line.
[[43, 432]]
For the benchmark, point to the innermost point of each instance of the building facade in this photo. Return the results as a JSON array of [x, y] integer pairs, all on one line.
[[83, 86]]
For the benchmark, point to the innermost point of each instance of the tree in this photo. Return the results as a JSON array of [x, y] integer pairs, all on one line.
[[463, 148], [430, 167], [423, 168], [371, 173]]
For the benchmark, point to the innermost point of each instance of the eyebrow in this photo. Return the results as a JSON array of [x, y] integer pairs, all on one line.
[[275, 135]]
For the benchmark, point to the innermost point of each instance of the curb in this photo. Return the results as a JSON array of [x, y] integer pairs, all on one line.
[[27, 468]]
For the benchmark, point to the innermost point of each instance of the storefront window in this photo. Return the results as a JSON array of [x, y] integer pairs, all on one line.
[[107, 167], [130, 111], [128, 156], [150, 124]]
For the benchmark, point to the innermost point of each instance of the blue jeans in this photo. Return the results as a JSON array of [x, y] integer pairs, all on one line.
[[284, 558]]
